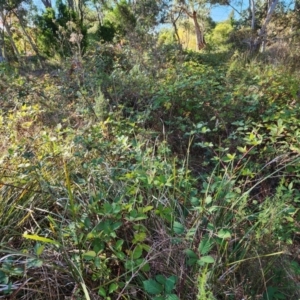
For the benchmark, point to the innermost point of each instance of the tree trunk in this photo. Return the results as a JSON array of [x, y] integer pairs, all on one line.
[[199, 32], [71, 4], [2, 46], [297, 13], [1, 56], [47, 3], [200, 41], [263, 31], [80, 5], [7, 28], [175, 27], [260, 42], [33, 46], [252, 8]]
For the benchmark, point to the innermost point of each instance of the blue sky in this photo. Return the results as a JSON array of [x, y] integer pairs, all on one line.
[[220, 13]]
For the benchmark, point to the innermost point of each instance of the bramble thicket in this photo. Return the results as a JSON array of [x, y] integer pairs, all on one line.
[[148, 151]]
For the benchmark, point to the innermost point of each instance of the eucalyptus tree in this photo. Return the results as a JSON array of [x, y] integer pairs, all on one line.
[[61, 31], [262, 33], [6, 9], [21, 14], [260, 13], [47, 3], [195, 10], [14, 15]]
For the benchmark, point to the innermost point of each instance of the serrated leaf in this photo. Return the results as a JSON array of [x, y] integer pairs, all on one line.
[[178, 227], [170, 284], [152, 287], [161, 279], [191, 261], [190, 253], [205, 245], [192, 257]]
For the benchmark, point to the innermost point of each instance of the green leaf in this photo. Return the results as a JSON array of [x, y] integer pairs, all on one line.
[[152, 287], [102, 292], [137, 252], [112, 287], [36, 237], [206, 260], [89, 255], [171, 297], [139, 237], [224, 234], [4, 279], [192, 257], [108, 226], [205, 245], [161, 279], [145, 267], [134, 215], [191, 261], [107, 208], [229, 157], [178, 227], [39, 249], [170, 284], [208, 199], [116, 225], [35, 263], [242, 150], [194, 201], [120, 255], [87, 223], [118, 245], [98, 245], [190, 253], [147, 208], [146, 247], [129, 265]]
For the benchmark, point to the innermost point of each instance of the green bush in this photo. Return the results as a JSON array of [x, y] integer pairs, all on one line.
[[61, 31]]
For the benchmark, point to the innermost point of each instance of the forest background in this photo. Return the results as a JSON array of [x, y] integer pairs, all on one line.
[[148, 150]]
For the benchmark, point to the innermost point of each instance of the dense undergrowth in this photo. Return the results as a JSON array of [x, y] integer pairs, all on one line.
[[171, 176]]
